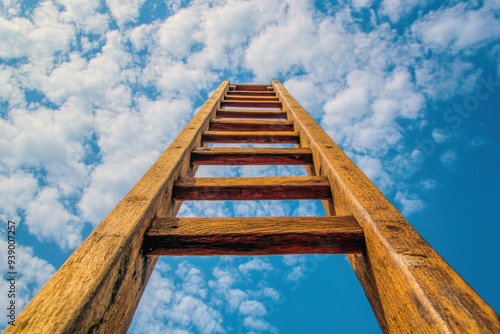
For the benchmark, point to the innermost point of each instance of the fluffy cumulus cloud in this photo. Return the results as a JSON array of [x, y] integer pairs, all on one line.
[[93, 91], [35, 272], [185, 300], [465, 25]]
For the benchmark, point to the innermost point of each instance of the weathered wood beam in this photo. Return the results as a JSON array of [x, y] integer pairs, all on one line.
[[262, 114], [251, 104], [251, 137], [250, 87], [98, 288], [251, 93], [234, 97], [250, 125], [252, 188], [254, 236], [411, 288], [251, 156]]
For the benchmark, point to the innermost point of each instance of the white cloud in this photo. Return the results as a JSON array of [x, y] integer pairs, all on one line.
[[48, 219], [361, 3], [14, 37], [259, 324], [364, 114], [129, 141], [173, 307], [142, 36], [252, 307], [477, 141], [428, 184], [439, 136], [49, 139], [443, 80], [84, 15], [124, 12], [347, 106], [449, 157], [192, 280], [189, 310], [298, 267], [39, 37], [234, 298], [409, 203], [224, 278], [33, 272], [10, 8], [374, 169], [16, 190], [187, 301], [11, 91], [398, 9], [458, 27], [269, 293], [88, 78], [256, 264], [150, 315], [175, 34], [292, 49]]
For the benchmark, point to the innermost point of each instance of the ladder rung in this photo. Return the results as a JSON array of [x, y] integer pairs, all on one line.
[[251, 104], [251, 156], [252, 188], [229, 125], [254, 236], [251, 87], [251, 137], [251, 93], [250, 98], [235, 113]]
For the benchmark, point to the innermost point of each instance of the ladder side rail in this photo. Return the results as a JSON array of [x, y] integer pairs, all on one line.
[[99, 287], [410, 287]]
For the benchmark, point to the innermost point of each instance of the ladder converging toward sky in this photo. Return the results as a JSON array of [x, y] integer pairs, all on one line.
[[410, 287]]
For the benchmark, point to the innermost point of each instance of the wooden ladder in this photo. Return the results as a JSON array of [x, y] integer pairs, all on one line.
[[410, 287]]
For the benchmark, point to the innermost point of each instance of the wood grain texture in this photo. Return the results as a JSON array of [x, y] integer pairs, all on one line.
[[252, 188], [256, 114], [254, 236], [251, 104], [250, 125], [250, 87], [411, 288], [251, 156], [98, 288], [251, 93], [251, 137], [234, 97]]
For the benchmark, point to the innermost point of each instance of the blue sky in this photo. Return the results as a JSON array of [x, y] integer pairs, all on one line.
[[91, 92]]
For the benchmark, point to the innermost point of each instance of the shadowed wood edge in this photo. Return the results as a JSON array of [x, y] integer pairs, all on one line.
[[250, 87], [254, 236], [251, 137], [251, 104], [263, 98], [250, 125], [251, 188], [251, 156], [98, 288], [410, 287], [251, 113]]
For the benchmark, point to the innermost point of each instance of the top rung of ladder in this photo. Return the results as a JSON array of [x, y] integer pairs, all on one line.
[[251, 87]]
